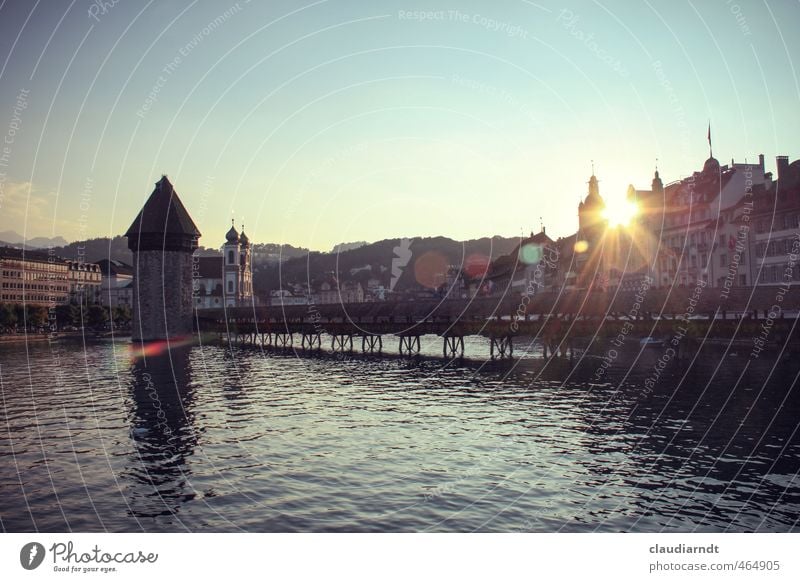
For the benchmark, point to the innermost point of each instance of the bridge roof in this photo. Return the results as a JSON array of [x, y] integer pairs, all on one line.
[[576, 302]]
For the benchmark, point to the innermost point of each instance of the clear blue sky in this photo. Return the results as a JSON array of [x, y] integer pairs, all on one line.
[[330, 121]]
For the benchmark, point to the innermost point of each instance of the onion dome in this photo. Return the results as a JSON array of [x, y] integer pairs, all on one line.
[[711, 166], [232, 236]]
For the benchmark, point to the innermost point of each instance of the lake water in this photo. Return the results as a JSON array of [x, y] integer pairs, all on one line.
[[205, 438]]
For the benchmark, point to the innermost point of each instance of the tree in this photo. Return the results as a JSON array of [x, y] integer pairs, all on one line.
[[19, 312], [122, 315], [67, 314], [37, 315], [97, 315], [8, 315]]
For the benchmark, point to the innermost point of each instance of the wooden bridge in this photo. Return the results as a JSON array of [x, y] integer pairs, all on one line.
[[560, 321]]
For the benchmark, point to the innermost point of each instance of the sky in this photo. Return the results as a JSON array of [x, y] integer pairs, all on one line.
[[328, 121]]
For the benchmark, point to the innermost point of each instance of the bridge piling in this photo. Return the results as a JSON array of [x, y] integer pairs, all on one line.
[[453, 346], [309, 341], [503, 345], [342, 342], [371, 343], [409, 344]]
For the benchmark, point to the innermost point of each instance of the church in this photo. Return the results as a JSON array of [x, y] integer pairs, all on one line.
[[227, 280]]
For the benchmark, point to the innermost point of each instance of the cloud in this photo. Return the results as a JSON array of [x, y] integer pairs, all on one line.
[[26, 209]]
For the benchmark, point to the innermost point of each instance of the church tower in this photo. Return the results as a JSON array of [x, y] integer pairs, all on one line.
[[231, 271], [589, 262], [657, 186], [591, 222], [162, 239], [246, 269]]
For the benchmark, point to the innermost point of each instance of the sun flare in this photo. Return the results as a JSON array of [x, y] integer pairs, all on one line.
[[620, 212]]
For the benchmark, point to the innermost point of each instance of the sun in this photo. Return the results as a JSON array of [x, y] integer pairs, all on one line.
[[620, 212]]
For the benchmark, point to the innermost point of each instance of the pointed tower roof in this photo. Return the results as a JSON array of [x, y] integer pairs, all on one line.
[[232, 236], [243, 238], [163, 223]]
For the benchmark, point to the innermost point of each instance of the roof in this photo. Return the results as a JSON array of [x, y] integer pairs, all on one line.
[[507, 265], [109, 267], [162, 214], [209, 267], [232, 236], [15, 254]]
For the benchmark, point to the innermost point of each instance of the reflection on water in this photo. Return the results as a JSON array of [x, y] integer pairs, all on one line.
[[204, 438], [163, 435]]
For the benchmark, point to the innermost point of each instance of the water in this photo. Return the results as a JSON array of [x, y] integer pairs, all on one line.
[[212, 439]]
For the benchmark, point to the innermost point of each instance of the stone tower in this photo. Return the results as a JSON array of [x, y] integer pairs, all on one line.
[[162, 238]]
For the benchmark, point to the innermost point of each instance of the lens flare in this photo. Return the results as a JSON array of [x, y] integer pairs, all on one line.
[[430, 270], [530, 253], [620, 212]]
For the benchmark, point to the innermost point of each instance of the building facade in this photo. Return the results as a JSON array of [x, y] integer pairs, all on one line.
[[42, 278], [775, 228], [237, 269], [116, 288]]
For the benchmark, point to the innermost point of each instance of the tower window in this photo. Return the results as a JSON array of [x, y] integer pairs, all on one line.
[[230, 286], [231, 260]]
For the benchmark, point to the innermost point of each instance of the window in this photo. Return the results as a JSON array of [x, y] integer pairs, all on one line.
[[230, 286], [742, 280], [723, 260], [230, 258]]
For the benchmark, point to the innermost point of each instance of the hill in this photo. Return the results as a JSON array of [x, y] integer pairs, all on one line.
[[413, 261]]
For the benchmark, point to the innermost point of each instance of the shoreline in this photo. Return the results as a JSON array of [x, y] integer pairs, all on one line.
[[63, 335]]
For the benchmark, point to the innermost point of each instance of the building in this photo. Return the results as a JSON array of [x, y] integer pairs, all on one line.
[[332, 291], [775, 228], [237, 270], [162, 239], [116, 287], [42, 278], [529, 268], [84, 280], [207, 282], [687, 231], [225, 280], [281, 297], [588, 263]]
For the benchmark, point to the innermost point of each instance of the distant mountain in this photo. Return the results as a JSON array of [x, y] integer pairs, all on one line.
[[276, 265], [95, 249], [377, 260], [13, 238]]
